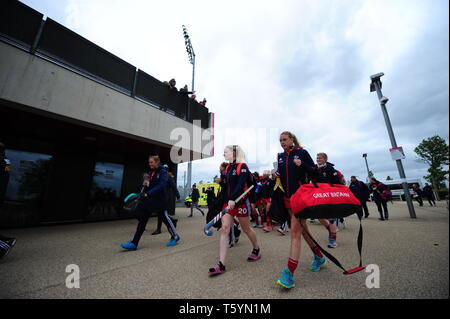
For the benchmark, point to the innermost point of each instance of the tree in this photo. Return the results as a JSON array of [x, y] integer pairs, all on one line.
[[435, 152], [389, 178]]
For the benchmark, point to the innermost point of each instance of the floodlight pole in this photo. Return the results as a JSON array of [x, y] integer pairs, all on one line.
[[367, 165], [191, 55], [376, 86]]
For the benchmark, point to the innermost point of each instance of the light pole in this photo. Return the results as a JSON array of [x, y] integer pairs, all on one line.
[[191, 55], [376, 86], [367, 165]]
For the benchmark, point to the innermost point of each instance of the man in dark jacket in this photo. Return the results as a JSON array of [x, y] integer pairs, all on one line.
[[361, 191], [418, 194], [428, 193], [378, 189], [195, 195], [6, 243]]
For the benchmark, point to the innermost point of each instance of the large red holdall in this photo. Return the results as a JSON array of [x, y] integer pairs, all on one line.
[[322, 200]]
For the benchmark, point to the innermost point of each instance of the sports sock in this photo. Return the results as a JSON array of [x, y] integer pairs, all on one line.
[[317, 251], [292, 265]]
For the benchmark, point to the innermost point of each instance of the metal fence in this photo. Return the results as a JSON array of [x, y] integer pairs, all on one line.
[[23, 26]]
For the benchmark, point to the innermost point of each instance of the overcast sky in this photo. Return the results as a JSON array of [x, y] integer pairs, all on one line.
[[302, 66]]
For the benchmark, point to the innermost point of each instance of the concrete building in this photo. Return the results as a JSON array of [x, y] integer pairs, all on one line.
[[79, 123]]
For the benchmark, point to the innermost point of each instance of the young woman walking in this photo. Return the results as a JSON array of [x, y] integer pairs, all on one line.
[[235, 180]]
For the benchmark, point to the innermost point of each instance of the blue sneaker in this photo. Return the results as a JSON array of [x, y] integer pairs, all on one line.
[[332, 242], [173, 241], [317, 263], [128, 246], [287, 279]]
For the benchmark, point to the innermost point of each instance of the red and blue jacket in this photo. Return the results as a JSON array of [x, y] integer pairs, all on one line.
[[235, 182], [291, 175]]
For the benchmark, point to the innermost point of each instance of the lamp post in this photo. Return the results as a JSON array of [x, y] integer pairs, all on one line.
[[376, 86], [191, 55], [367, 165]]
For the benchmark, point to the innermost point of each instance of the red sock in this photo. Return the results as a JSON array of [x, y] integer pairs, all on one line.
[[317, 251], [332, 235], [292, 265]]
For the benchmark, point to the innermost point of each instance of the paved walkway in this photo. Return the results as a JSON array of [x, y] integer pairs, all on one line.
[[413, 257]]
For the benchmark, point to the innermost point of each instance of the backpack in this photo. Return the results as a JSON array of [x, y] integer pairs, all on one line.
[[386, 194], [340, 176], [251, 180]]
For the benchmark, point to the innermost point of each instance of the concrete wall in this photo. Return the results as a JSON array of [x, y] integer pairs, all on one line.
[[34, 82]]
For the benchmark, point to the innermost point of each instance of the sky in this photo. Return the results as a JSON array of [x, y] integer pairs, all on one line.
[[303, 66]]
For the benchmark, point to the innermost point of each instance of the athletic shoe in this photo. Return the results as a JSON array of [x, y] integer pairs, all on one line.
[[129, 246], [254, 257], [311, 220], [381, 219], [367, 216], [156, 232], [216, 270], [287, 279], [281, 231], [5, 248], [258, 226], [237, 234], [332, 242], [317, 263], [173, 241], [267, 228]]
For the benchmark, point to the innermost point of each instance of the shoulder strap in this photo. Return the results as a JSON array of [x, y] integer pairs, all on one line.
[[238, 170]]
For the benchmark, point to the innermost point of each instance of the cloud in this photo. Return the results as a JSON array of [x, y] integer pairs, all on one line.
[[301, 66]]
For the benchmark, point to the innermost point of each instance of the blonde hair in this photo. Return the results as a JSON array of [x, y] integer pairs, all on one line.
[[325, 156], [238, 153], [296, 142]]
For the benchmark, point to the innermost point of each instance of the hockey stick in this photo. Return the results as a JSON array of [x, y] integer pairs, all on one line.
[[207, 227]]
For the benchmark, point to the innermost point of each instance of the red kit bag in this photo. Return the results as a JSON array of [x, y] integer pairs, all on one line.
[[322, 200]]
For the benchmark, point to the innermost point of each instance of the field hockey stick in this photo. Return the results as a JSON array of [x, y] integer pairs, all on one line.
[[207, 227], [133, 194]]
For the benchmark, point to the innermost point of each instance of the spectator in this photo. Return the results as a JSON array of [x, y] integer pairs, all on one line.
[[172, 84], [378, 190], [429, 194], [194, 97], [203, 102], [6, 243], [418, 194], [185, 90], [195, 195], [361, 191]]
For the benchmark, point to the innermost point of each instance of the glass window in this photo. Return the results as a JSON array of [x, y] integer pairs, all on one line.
[[25, 185], [106, 190]]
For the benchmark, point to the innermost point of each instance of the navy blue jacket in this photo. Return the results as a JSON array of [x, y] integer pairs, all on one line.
[[360, 190], [326, 174], [267, 187], [195, 195], [291, 175], [234, 183], [156, 189]]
